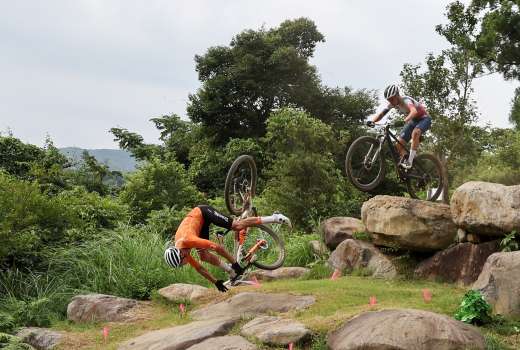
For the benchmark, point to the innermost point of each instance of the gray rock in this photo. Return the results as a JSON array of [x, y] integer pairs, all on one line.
[[281, 273], [499, 282], [318, 248], [40, 338], [227, 342], [485, 208], [337, 229], [352, 254], [180, 337], [409, 223], [251, 304], [275, 330], [179, 292], [461, 264], [101, 308], [405, 329]]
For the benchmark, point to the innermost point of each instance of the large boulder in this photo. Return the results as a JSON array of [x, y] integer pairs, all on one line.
[[251, 304], [180, 292], [40, 338], [101, 308], [499, 282], [337, 229], [409, 223], [486, 208], [459, 264], [227, 342], [275, 330], [405, 329], [180, 337], [281, 273], [352, 254]]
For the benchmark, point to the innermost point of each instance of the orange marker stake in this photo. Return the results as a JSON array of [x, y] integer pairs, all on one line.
[[105, 334], [291, 346], [336, 274], [256, 284], [427, 295], [372, 301], [182, 309]]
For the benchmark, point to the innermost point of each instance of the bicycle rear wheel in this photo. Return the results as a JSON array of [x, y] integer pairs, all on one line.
[[425, 179], [240, 183], [272, 255], [364, 164]]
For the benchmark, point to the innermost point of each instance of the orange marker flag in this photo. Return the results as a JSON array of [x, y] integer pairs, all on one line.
[[291, 346], [105, 333], [427, 295], [182, 309], [256, 284], [372, 301]]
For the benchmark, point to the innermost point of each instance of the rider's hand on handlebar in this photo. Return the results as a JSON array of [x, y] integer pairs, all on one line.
[[220, 286], [370, 123]]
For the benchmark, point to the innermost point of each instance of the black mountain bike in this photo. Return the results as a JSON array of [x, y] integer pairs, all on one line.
[[365, 165]]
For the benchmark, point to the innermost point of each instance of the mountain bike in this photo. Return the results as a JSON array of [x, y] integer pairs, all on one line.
[[257, 245], [366, 158]]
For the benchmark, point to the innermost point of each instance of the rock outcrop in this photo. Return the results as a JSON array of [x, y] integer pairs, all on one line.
[[40, 338], [101, 308], [486, 208], [352, 254], [251, 304], [180, 337], [461, 264], [499, 282], [409, 223], [337, 229], [179, 292], [405, 329], [281, 273], [275, 330]]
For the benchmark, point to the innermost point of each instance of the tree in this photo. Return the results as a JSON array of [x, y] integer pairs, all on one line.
[[134, 143], [498, 41], [514, 115], [262, 71], [156, 185]]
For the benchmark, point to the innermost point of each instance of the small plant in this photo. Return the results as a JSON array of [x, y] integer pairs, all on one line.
[[474, 309], [509, 243], [362, 236], [10, 342]]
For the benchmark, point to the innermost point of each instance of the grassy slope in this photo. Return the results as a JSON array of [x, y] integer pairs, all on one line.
[[336, 301]]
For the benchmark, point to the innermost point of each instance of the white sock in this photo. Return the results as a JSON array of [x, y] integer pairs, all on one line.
[[226, 267], [411, 156]]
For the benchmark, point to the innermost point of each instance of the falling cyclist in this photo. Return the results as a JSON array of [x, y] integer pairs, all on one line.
[[193, 232]]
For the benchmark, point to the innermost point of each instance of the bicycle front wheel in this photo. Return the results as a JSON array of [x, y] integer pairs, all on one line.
[[240, 184], [364, 164], [272, 255], [425, 179]]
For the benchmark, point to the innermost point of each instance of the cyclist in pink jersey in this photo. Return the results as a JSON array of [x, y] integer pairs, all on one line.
[[417, 122]]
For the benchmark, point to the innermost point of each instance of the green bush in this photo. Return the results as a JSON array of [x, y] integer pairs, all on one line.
[[10, 342], [298, 250], [157, 185], [474, 309]]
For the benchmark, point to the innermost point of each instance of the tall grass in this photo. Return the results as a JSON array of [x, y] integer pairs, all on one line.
[[298, 251]]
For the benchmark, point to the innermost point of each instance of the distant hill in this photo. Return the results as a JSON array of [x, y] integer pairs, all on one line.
[[116, 159]]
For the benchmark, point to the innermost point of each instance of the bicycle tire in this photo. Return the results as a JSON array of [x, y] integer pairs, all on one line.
[[348, 164], [281, 249], [233, 209], [427, 157]]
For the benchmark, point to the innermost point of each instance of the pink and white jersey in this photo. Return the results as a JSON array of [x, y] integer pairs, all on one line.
[[406, 103]]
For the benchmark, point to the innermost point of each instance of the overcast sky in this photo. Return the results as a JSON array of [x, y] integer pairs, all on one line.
[[74, 69]]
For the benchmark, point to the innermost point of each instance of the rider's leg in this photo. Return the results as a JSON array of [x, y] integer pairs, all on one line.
[[400, 146], [416, 140]]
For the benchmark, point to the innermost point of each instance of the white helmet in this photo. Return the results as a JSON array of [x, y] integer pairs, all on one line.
[[173, 257], [391, 90]]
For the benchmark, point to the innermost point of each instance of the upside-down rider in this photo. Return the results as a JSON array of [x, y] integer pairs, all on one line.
[[193, 232], [417, 122]]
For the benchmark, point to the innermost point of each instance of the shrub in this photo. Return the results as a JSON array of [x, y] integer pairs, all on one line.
[[474, 309], [298, 250]]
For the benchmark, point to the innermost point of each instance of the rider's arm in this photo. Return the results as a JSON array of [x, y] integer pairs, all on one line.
[[200, 269], [413, 112], [382, 114]]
